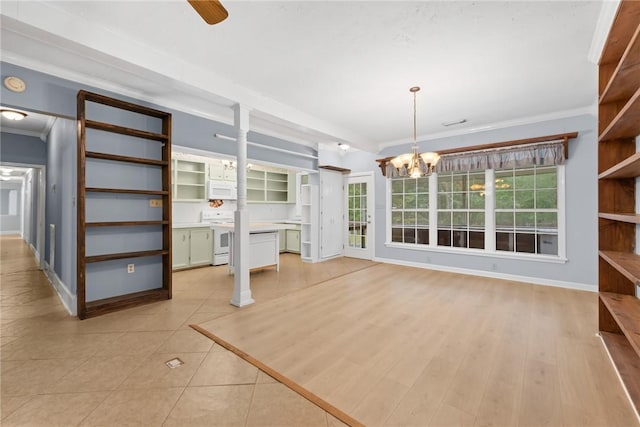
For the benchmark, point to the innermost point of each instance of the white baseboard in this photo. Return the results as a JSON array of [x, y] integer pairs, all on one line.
[[36, 254], [68, 299], [494, 275], [6, 233]]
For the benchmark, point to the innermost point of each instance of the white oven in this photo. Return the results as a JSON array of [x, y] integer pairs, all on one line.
[[220, 236]]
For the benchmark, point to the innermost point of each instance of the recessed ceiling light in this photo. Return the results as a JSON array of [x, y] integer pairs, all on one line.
[[454, 122], [13, 114], [15, 84]]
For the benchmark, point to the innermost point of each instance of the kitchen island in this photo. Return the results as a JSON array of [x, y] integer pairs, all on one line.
[[264, 244]]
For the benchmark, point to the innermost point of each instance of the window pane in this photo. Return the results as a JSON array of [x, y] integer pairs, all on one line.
[[444, 237], [476, 200], [423, 185], [504, 199], [504, 242], [409, 218], [350, 202], [526, 243], [444, 183], [410, 201], [546, 199], [397, 185], [444, 219], [525, 221], [524, 179], [423, 236], [504, 220], [548, 244], [356, 215], [356, 189], [476, 240], [476, 179], [396, 234], [410, 185], [423, 218], [459, 200], [524, 199], [476, 219], [546, 178], [423, 201], [547, 220], [351, 215], [460, 182], [459, 239], [409, 235], [444, 201], [460, 219], [396, 201], [396, 218]]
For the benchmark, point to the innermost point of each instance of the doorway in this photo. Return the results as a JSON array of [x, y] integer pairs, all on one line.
[[359, 208]]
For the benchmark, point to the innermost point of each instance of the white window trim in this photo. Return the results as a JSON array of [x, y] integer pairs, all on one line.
[[490, 229]]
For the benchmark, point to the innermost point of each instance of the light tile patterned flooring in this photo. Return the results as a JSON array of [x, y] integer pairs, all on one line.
[[110, 370]]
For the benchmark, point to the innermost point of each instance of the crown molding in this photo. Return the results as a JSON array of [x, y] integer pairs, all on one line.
[[607, 14], [493, 126]]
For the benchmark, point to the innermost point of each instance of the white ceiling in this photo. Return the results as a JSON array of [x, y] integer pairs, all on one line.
[[324, 71]]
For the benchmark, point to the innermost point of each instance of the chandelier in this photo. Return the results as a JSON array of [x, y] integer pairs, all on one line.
[[415, 164]]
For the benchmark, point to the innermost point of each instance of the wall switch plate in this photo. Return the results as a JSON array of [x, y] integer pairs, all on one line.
[[155, 203], [131, 268]]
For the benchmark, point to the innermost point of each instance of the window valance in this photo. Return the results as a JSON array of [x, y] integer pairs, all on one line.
[[539, 151], [538, 154]]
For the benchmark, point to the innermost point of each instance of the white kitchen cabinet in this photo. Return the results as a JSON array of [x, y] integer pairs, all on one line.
[[283, 240], [293, 241], [180, 248], [189, 181], [271, 185], [331, 214], [192, 247], [220, 171]]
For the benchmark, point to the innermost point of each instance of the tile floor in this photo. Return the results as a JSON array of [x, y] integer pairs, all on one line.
[[110, 370]]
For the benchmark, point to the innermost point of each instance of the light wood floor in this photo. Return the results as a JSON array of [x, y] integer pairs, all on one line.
[[393, 345]]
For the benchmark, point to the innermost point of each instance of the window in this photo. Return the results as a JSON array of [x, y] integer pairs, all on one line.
[[410, 210], [461, 209], [357, 207], [526, 210], [502, 211]]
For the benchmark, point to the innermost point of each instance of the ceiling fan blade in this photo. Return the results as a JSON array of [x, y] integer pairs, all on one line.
[[211, 11]]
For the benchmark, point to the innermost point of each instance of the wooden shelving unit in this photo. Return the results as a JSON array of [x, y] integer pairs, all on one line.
[[120, 203], [618, 168]]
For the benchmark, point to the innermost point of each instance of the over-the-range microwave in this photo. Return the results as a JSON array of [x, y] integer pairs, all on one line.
[[225, 190]]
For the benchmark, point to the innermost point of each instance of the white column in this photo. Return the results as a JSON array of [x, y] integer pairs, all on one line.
[[241, 282], [489, 210]]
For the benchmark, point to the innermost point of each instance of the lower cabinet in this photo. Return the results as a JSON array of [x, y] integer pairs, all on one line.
[[293, 241], [192, 247], [283, 240]]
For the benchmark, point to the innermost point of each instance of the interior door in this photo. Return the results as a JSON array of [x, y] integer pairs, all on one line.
[[331, 214], [359, 211]]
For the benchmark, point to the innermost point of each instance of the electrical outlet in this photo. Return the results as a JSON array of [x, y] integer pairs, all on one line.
[[494, 267], [155, 203], [131, 268]]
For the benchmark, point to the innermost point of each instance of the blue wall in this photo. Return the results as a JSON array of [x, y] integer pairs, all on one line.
[[22, 149], [581, 204]]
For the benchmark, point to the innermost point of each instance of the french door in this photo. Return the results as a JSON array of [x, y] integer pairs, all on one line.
[[359, 216]]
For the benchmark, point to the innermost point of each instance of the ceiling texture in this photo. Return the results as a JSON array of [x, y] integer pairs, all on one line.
[[324, 71]]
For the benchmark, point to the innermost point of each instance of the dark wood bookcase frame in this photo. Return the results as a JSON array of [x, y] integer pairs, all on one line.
[[618, 167], [95, 308]]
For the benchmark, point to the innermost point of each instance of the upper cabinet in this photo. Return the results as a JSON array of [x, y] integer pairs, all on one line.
[[223, 171], [189, 181], [270, 185]]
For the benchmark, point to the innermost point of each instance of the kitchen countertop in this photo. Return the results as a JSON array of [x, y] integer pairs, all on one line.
[[190, 225], [257, 227]]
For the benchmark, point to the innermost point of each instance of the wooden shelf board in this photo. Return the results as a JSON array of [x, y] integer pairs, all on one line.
[[627, 123], [125, 131], [625, 310], [633, 218], [124, 223], [627, 264], [103, 306], [128, 159], [125, 191], [628, 168], [123, 105], [626, 362], [626, 76], [123, 255], [335, 168]]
